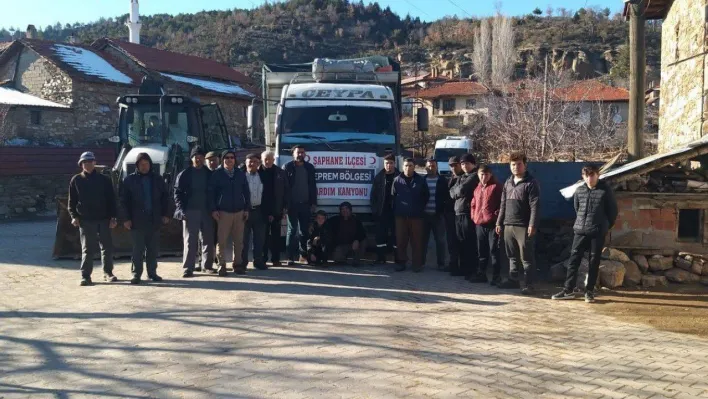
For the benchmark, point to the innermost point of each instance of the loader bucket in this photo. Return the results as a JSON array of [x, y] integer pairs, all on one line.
[[67, 244]]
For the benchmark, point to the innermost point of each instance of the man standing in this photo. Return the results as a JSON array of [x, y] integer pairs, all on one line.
[[382, 208], [596, 213], [303, 201], [347, 235], [192, 208], [92, 207], [229, 200], [255, 226], [434, 219], [451, 231], [144, 199], [485, 210], [462, 193], [519, 216], [213, 161], [410, 195], [276, 194]]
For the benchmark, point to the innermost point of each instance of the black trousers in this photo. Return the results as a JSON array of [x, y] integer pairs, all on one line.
[[466, 244], [320, 252], [94, 233], [273, 240], [582, 244], [488, 249], [146, 242], [451, 234], [386, 234]]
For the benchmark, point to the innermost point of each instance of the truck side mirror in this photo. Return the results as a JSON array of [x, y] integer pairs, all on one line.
[[422, 119]]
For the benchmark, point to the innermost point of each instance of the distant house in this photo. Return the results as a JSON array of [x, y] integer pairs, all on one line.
[[595, 101], [454, 104], [412, 85]]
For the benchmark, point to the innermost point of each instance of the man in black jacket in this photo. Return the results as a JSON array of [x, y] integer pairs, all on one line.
[[519, 217], [596, 213], [346, 236], [451, 231], [192, 208], [434, 220], [410, 195], [92, 207], [382, 208], [276, 194], [255, 226], [303, 201], [462, 193], [145, 202]]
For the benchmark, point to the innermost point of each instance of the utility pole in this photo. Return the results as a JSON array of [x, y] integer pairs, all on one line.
[[544, 112], [637, 77]]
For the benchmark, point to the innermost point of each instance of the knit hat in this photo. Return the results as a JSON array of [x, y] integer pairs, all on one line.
[[467, 158], [86, 156], [454, 160], [143, 156], [211, 154], [197, 150]]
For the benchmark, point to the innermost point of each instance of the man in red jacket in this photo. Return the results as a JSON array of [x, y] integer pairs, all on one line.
[[485, 210]]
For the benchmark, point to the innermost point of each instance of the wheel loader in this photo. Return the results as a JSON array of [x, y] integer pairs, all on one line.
[[166, 127]]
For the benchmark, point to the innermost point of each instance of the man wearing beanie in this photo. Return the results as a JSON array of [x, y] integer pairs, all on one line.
[[92, 206], [145, 203], [462, 193], [229, 200], [192, 208]]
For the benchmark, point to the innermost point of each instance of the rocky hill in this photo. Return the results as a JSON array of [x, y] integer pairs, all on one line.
[[585, 41]]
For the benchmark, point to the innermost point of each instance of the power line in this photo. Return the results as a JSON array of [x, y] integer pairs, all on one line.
[[417, 8], [463, 10]]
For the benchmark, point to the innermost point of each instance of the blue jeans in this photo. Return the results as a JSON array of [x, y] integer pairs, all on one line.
[[299, 216]]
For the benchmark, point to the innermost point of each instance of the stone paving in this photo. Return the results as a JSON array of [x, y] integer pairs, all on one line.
[[297, 332]]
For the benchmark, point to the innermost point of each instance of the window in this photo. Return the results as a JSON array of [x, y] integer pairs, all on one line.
[[614, 109], [36, 117], [448, 104], [689, 224], [470, 103], [436, 105], [104, 108], [244, 111]]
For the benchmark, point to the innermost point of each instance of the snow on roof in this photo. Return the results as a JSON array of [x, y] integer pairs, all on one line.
[[14, 97], [658, 161], [90, 63], [219, 87]]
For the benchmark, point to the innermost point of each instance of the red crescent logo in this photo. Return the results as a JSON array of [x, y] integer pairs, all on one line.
[[373, 160]]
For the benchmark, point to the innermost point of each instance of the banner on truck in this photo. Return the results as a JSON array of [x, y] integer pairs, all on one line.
[[344, 175]]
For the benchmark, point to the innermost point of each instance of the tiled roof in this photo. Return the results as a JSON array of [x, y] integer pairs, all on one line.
[[453, 89], [171, 62], [592, 90]]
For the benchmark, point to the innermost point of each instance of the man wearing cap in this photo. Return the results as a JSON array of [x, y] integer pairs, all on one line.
[[257, 218], [213, 160], [230, 202], [451, 231], [462, 193], [92, 207], [410, 195], [192, 208], [276, 194], [145, 203]]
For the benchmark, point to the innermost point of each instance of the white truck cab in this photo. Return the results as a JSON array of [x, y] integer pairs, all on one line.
[[451, 146]]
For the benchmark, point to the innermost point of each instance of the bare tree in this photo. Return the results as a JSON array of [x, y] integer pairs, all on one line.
[[481, 53], [503, 50]]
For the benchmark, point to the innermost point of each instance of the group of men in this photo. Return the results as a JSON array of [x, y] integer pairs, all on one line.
[[222, 206]]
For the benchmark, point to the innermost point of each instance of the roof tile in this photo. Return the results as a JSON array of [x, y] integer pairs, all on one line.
[[453, 89]]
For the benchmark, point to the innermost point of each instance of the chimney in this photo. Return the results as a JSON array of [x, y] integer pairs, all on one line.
[[133, 22], [31, 32]]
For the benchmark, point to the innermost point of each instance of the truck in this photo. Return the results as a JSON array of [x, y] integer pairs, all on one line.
[[346, 113], [451, 146]]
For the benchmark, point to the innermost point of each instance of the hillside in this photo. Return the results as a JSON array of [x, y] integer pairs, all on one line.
[[300, 30]]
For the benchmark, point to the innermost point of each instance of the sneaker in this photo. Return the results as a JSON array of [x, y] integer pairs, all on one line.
[[155, 278], [110, 278], [188, 274], [478, 278], [528, 290], [509, 285], [590, 296], [565, 294], [400, 267], [85, 282], [135, 280], [260, 266]]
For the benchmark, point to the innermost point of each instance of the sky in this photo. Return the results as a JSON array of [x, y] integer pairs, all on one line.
[[41, 13]]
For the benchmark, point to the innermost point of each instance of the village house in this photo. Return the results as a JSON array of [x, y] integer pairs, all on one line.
[[454, 104]]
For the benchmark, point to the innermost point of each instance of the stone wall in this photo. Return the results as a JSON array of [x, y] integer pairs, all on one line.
[[28, 195], [97, 111], [54, 129], [682, 81], [650, 221], [41, 78]]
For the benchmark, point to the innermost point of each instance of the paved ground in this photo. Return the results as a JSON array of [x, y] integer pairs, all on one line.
[[300, 333]]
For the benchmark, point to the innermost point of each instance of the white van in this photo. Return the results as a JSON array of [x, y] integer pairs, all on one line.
[[451, 146]]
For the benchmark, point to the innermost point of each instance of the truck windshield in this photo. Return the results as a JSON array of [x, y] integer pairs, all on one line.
[[140, 124], [444, 154], [338, 119]]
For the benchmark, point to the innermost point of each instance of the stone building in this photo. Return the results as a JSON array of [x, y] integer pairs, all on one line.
[[62, 96]]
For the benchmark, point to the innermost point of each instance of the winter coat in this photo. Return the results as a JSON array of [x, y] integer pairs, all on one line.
[[486, 202], [183, 189], [596, 209], [228, 194], [409, 199], [378, 193], [462, 192], [276, 198], [133, 200], [311, 183], [91, 197], [520, 203], [332, 230], [316, 231]]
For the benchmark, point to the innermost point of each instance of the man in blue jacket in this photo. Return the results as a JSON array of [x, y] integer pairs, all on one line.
[[144, 199], [410, 196], [192, 209], [230, 201]]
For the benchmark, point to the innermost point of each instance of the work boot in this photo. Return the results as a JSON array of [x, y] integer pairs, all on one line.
[[110, 278], [86, 281], [222, 271], [260, 266], [155, 278], [240, 270], [188, 274], [381, 259], [478, 278], [135, 280], [291, 263], [590, 296], [197, 268]]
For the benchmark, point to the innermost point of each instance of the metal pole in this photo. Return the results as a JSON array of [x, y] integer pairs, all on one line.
[[637, 77], [544, 112]]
